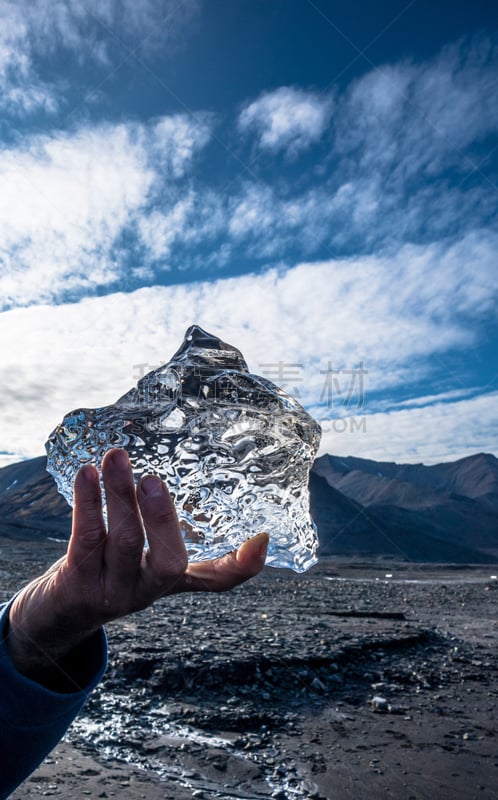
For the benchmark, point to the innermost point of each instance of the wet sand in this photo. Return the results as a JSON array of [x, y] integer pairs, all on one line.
[[342, 683]]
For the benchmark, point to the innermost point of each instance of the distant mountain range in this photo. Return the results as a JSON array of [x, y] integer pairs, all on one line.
[[445, 513]]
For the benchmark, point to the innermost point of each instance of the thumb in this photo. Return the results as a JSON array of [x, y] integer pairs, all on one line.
[[230, 570], [252, 553]]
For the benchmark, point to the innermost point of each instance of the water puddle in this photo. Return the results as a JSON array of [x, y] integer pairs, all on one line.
[[186, 756]]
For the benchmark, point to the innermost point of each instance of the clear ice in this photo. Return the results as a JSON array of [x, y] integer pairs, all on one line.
[[233, 448]]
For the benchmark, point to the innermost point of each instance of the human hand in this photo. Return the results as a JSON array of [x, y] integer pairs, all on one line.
[[107, 574]]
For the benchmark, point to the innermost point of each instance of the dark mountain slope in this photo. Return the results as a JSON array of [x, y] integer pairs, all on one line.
[[456, 502], [30, 505], [348, 529]]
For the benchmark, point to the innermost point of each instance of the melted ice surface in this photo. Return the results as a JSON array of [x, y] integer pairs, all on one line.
[[233, 449]]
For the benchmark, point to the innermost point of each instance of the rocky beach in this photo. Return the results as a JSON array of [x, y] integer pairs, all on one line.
[[350, 681]]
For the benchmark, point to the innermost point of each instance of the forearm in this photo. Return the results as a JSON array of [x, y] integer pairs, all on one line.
[[34, 717]]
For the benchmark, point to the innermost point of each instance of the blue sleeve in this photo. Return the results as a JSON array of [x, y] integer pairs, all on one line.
[[33, 718]]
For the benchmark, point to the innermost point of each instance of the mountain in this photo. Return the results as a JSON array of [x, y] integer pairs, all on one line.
[[475, 476], [444, 513], [30, 505]]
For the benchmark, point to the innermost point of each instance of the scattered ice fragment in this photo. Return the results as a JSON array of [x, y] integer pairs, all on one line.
[[233, 449], [379, 703]]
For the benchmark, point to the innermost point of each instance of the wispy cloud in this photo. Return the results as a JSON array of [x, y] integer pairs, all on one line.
[[435, 433], [397, 161], [404, 157], [33, 33], [159, 231], [429, 399], [67, 198], [149, 211], [86, 354], [407, 120], [287, 118]]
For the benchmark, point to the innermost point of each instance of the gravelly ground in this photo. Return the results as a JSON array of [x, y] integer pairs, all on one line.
[[267, 691]]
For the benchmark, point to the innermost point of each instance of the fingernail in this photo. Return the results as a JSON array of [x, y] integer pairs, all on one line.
[[255, 547], [263, 541], [152, 486], [120, 459]]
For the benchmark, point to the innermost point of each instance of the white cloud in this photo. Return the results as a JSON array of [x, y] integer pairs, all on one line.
[[371, 197], [86, 354], [67, 198], [35, 32], [173, 141], [254, 211], [271, 226], [26, 99], [158, 231], [430, 399], [404, 164], [432, 434], [287, 119], [21, 90]]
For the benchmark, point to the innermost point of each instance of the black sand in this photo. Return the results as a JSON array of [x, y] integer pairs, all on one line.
[[267, 691]]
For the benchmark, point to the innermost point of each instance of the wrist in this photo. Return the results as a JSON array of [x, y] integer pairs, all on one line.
[[48, 657]]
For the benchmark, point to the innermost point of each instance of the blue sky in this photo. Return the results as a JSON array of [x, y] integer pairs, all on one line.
[[315, 182]]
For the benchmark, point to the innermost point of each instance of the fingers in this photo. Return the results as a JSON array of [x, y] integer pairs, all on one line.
[[125, 541], [224, 573], [86, 547], [129, 579], [166, 559]]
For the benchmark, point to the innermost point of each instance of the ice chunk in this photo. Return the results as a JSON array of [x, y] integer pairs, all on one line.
[[233, 449]]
